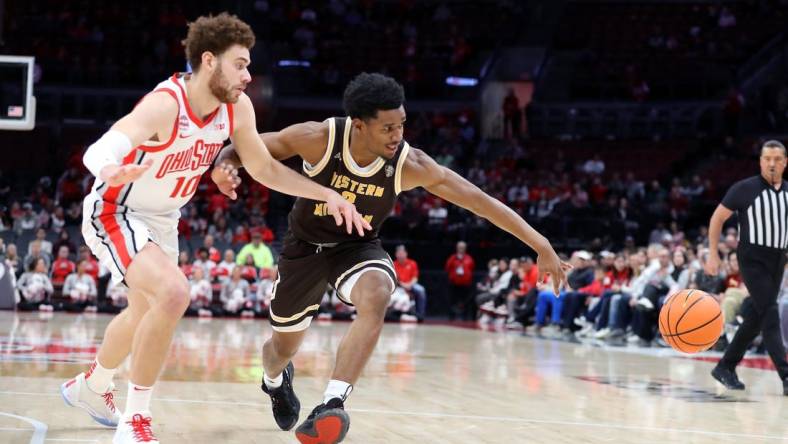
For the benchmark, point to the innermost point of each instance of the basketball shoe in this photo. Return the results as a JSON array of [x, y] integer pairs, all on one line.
[[284, 402], [727, 377], [327, 424], [100, 406], [135, 430]]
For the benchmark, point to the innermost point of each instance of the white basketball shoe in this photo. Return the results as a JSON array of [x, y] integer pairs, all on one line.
[[100, 406], [134, 430]]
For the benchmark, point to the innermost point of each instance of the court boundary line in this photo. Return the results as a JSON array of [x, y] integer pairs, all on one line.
[[39, 428], [470, 417]]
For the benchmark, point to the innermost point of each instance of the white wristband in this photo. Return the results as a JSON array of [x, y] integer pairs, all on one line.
[[110, 149]]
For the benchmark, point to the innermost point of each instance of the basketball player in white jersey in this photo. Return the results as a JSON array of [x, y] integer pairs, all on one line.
[[147, 166]]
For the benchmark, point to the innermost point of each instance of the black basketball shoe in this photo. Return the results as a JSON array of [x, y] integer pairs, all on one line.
[[284, 402], [327, 424], [785, 386], [727, 377]]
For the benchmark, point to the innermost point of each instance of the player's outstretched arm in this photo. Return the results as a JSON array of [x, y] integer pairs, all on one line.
[[420, 170], [307, 140], [273, 174], [153, 116]]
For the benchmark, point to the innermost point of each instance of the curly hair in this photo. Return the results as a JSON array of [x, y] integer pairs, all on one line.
[[368, 93], [215, 34]]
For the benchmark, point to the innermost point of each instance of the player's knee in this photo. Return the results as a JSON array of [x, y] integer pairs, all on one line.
[[373, 301], [176, 297]]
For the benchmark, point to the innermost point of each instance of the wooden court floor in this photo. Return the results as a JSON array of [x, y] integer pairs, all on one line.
[[424, 384]]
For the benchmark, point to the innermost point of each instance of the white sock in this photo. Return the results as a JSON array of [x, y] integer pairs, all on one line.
[[138, 399], [273, 383], [337, 389], [99, 378]]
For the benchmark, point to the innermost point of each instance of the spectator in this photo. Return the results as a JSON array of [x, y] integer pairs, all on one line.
[[58, 221], [62, 268], [204, 262], [46, 246], [80, 287], [547, 299], [117, 298], [487, 300], [35, 253], [184, 264], [459, 267], [27, 221], [517, 302], [235, 295], [249, 271], [91, 265], [12, 260], [257, 249], [64, 239], [213, 252], [224, 269], [265, 291], [201, 294], [735, 291], [408, 277], [35, 287]]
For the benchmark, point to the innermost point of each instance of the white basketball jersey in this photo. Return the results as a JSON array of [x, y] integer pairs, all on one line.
[[178, 163]]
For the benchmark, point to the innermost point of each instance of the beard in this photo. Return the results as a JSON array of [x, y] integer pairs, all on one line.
[[220, 87]]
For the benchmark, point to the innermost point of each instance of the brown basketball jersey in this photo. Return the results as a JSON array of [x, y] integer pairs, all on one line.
[[373, 189]]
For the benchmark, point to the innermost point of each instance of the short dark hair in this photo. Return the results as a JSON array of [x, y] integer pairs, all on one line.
[[215, 34], [368, 93], [774, 144]]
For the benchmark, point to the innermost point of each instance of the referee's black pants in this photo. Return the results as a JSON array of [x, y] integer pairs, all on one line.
[[762, 272]]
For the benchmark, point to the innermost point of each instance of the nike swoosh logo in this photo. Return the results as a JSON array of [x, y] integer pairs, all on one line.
[[137, 389], [183, 137]]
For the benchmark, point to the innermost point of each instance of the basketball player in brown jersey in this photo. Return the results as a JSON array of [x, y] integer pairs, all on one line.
[[364, 157]]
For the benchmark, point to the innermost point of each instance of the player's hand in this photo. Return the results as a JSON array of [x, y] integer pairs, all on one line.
[[116, 175], [712, 265], [548, 263], [226, 177], [345, 212]]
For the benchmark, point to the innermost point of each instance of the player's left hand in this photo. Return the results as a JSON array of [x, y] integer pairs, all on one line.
[[345, 212], [226, 177]]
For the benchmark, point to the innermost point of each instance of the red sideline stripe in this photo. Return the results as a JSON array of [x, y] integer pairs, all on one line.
[[107, 217]]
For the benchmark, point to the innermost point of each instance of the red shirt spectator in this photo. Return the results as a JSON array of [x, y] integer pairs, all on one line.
[[529, 278], [265, 232], [92, 268], [406, 269], [61, 268], [460, 267]]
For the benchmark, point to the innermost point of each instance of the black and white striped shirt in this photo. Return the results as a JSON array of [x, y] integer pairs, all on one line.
[[762, 211]]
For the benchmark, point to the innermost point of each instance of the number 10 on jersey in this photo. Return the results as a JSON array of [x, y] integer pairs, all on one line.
[[184, 187]]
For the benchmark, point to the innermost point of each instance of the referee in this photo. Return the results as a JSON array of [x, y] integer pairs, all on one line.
[[761, 203]]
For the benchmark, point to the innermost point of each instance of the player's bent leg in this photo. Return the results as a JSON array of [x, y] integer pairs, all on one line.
[[328, 422], [154, 273], [279, 374], [120, 332], [93, 390]]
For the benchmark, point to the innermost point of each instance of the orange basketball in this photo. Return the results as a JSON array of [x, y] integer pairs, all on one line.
[[690, 321]]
